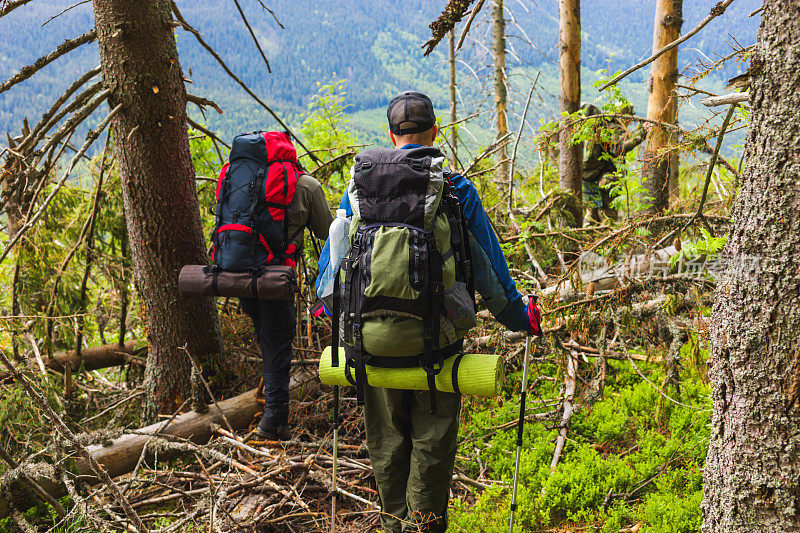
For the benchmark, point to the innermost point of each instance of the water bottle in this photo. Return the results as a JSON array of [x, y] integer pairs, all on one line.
[[339, 238], [339, 244]]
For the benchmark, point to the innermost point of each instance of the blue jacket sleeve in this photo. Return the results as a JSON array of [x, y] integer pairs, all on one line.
[[492, 278], [326, 273]]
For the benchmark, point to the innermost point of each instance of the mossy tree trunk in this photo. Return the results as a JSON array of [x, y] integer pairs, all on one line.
[[752, 472], [139, 60]]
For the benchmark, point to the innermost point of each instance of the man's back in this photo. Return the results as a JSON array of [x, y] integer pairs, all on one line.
[[411, 448]]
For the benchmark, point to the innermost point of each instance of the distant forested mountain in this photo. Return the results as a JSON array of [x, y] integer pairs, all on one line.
[[374, 44]]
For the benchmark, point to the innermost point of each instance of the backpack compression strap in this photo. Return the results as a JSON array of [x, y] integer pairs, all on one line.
[[432, 362], [337, 309], [255, 186], [459, 238], [223, 184], [354, 351]]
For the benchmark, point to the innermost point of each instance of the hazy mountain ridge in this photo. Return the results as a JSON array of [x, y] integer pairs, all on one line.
[[374, 44]]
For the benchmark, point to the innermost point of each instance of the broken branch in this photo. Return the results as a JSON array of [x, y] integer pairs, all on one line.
[[716, 11], [63, 49]]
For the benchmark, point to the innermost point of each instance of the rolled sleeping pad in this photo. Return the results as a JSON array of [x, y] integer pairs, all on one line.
[[476, 374], [274, 283]]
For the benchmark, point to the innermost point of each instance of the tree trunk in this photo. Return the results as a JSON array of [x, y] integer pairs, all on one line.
[[123, 287], [451, 61], [570, 157], [674, 167], [139, 61], [500, 86], [661, 103], [674, 175], [752, 471]]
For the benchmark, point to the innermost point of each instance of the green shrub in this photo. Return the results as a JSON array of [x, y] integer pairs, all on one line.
[[633, 457]]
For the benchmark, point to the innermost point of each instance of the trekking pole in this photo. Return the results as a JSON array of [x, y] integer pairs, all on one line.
[[335, 364], [335, 454], [520, 424]]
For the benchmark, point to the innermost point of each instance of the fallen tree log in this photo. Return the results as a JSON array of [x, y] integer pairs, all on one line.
[[122, 454], [607, 276], [91, 358], [570, 378]]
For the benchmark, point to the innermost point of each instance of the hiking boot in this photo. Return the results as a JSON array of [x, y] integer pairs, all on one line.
[[267, 431]]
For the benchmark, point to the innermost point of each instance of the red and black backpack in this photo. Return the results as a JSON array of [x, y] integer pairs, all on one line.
[[254, 191]]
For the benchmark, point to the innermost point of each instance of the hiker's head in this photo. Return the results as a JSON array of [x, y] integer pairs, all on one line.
[[411, 119]]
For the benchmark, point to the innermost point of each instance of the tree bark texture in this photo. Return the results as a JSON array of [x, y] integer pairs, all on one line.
[[140, 64], [674, 169], [570, 156], [752, 471], [661, 103], [451, 63], [500, 85]]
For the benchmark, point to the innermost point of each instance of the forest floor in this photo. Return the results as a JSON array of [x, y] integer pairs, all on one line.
[[631, 459]]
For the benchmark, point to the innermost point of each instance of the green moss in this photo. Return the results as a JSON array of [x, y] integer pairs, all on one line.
[[651, 465]]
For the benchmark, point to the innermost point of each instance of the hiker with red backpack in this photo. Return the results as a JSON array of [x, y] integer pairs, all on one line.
[[264, 202], [402, 296]]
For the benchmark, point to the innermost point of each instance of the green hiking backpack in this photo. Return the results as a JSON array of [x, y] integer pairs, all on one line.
[[404, 295]]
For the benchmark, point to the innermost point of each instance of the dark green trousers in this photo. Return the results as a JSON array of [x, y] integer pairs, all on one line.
[[412, 454]]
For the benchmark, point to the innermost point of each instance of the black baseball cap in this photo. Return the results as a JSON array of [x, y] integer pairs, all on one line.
[[410, 112]]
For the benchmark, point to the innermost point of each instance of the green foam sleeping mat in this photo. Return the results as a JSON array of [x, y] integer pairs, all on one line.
[[478, 375]]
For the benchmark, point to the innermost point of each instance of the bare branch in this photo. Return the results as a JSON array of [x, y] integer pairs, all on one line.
[[79, 116], [8, 7], [271, 12], [706, 149], [452, 15], [516, 144], [43, 494], [207, 132], [726, 99], [87, 232], [64, 11], [569, 409], [468, 25], [487, 152], [63, 49], [716, 11], [713, 161], [253, 35], [58, 103], [64, 430], [90, 138], [201, 102], [228, 71]]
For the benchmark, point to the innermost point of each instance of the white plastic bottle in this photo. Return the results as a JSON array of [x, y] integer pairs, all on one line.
[[339, 239]]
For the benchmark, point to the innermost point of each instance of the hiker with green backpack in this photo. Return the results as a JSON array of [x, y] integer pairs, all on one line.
[[401, 295]]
